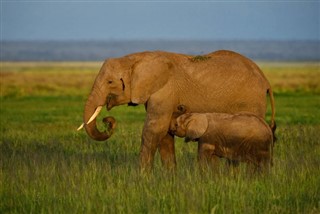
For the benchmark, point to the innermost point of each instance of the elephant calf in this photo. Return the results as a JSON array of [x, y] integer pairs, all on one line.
[[237, 137]]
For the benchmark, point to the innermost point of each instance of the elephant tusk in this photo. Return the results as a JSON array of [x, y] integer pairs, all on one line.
[[80, 127], [95, 114]]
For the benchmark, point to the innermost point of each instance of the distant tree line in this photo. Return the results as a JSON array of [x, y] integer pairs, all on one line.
[[100, 50]]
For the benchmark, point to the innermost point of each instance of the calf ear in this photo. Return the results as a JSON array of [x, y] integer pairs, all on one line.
[[196, 126]]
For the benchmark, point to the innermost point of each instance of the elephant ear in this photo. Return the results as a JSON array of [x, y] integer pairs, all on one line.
[[196, 126], [148, 76]]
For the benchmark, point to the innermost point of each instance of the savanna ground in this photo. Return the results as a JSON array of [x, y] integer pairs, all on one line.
[[49, 167]]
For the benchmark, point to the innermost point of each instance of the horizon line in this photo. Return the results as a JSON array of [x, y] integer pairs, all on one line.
[[160, 40]]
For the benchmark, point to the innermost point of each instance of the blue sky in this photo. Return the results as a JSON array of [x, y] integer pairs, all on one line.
[[215, 20]]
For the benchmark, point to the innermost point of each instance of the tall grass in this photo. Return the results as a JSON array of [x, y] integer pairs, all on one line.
[[48, 167]]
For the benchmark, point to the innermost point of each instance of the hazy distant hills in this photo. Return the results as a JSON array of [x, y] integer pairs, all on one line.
[[100, 50]]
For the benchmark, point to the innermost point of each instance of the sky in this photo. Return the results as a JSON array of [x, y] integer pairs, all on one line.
[[153, 20]]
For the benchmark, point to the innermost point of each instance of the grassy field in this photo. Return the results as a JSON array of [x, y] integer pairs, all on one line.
[[49, 167]]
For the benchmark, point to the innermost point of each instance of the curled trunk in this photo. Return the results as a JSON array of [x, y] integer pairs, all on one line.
[[91, 128]]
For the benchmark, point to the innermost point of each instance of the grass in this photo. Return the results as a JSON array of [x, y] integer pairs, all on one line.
[[199, 58], [48, 167]]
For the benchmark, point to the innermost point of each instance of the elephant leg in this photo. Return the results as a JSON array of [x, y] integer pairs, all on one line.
[[147, 152], [206, 157], [155, 136], [167, 152], [155, 131]]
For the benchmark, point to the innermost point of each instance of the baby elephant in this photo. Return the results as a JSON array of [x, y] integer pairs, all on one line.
[[236, 137]]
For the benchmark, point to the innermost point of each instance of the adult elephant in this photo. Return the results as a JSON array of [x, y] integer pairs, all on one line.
[[222, 81]]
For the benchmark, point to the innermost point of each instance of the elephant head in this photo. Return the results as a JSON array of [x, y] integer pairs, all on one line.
[[191, 126], [127, 80]]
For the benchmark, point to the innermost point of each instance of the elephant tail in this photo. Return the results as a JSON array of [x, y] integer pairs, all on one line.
[[273, 125], [273, 129]]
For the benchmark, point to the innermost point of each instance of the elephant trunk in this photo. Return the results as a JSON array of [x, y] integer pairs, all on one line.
[[89, 110]]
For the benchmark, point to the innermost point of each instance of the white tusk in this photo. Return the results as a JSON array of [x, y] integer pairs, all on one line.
[[95, 114], [80, 127]]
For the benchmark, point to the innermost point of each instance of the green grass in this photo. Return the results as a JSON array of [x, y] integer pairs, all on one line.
[[199, 58], [49, 167]]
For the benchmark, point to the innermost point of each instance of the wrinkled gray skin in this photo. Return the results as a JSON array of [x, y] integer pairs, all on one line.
[[222, 81], [236, 137]]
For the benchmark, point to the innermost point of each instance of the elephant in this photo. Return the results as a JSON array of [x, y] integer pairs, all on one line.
[[221, 81], [237, 137]]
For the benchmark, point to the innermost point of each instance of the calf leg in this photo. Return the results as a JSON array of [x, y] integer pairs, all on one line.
[[265, 162], [206, 157]]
